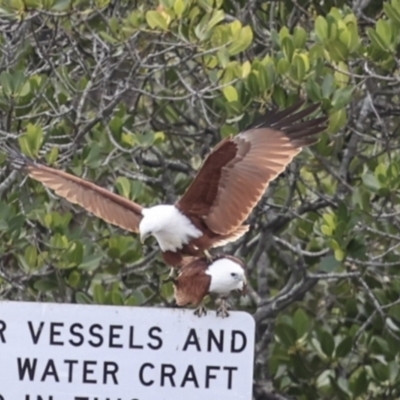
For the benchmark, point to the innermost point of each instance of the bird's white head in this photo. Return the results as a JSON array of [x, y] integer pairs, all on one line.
[[168, 225], [152, 222], [226, 275]]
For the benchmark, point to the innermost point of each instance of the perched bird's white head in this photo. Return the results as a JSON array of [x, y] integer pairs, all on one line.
[[226, 275]]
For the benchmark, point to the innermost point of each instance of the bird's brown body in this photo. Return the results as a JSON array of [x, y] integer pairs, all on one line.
[[197, 247]]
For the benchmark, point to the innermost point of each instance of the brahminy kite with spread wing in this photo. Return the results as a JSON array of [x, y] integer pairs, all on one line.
[[227, 187]]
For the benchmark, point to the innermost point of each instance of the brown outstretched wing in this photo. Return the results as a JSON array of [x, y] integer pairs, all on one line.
[[106, 205], [238, 170]]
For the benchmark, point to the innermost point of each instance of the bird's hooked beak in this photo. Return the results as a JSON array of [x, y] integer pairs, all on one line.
[[243, 292], [143, 237]]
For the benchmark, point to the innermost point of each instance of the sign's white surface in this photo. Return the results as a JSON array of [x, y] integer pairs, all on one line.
[[88, 352]]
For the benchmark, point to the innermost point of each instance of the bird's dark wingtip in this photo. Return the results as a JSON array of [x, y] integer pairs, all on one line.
[[279, 119], [16, 158]]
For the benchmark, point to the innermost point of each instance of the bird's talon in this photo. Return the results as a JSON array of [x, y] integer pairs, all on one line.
[[209, 257], [222, 310], [200, 311]]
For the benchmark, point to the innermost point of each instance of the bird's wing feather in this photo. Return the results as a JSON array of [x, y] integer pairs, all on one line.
[[192, 283], [108, 206], [238, 170]]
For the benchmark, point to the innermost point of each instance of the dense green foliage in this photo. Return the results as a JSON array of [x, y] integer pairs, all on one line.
[[132, 95]]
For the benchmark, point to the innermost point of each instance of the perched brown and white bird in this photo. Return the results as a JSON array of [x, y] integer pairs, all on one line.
[[225, 190], [199, 278]]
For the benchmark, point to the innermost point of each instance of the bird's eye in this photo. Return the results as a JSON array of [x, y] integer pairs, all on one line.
[[233, 274]]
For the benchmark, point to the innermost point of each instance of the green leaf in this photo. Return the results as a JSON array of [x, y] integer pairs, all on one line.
[[16, 223], [339, 254], [327, 343], [116, 125], [354, 37], [270, 73], [91, 262], [344, 347], [136, 298], [179, 7], [376, 40], [299, 37], [321, 28], [283, 66], [393, 372], [329, 264], [18, 80], [6, 83], [223, 57], [279, 96], [99, 294], [332, 27], [156, 20], [301, 322], [313, 90], [337, 50], [284, 33], [31, 141], [358, 382], [123, 185], [384, 31], [62, 5], [342, 78], [370, 181], [83, 298], [254, 84], [298, 68], [246, 69], [242, 42], [234, 108], [108, 38], [74, 279], [146, 139], [392, 13], [328, 86], [131, 301], [93, 158], [286, 334], [337, 120], [201, 30], [31, 256], [263, 79], [381, 172], [216, 18], [46, 285], [230, 93], [52, 155], [74, 253], [3, 225], [25, 89], [342, 97], [137, 188], [288, 48], [23, 263], [4, 210], [116, 298]]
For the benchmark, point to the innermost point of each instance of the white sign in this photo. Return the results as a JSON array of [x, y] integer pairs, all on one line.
[[88, 352]]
